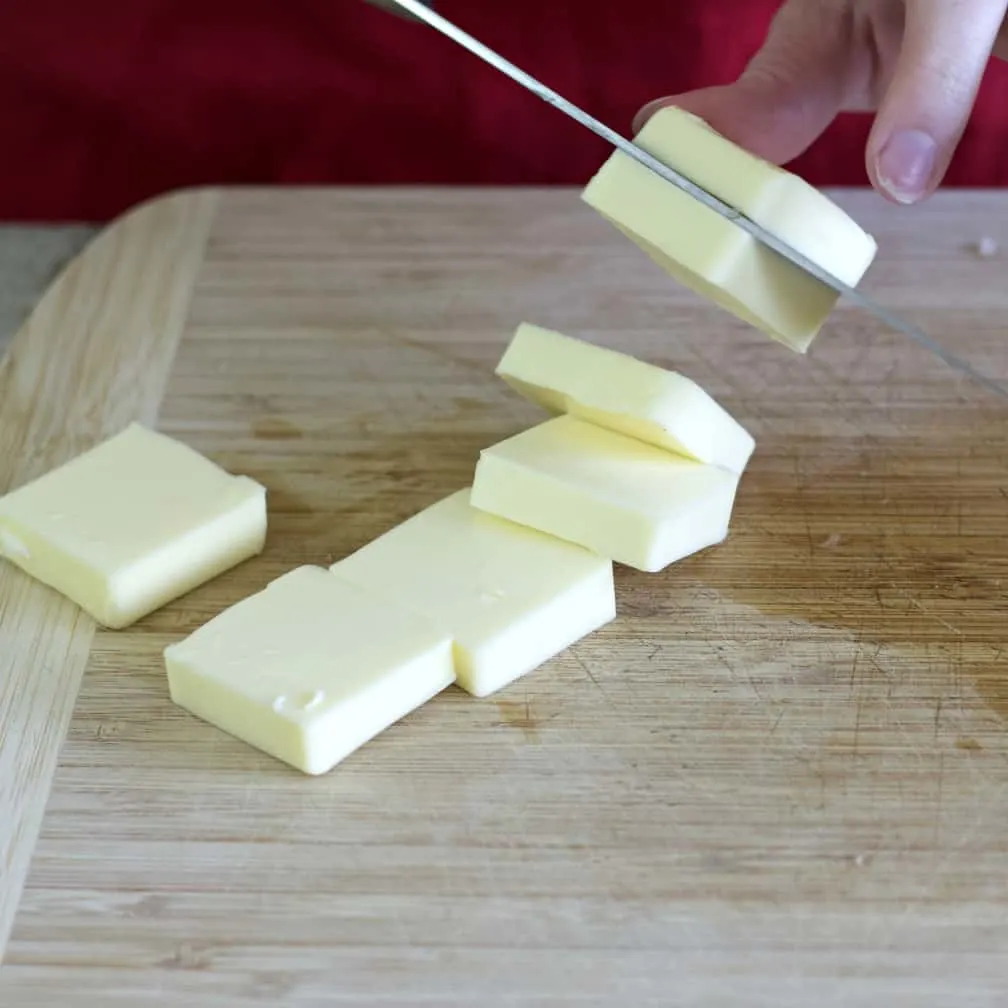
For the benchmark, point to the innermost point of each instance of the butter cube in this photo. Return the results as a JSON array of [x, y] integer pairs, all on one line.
[[623, 394], [310, 668], [615, 495], [509, 596], [131, 524], [713, 256]]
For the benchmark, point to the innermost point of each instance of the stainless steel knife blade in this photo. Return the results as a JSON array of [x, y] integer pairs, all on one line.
[[394, 7], [421, 12]]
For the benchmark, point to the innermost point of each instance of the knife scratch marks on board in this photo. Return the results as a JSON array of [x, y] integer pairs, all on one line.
[[927, 612], [777, 721], [939, 786], [854, 661], [719, 651], [857, 726], [437, 351], [588, 672]]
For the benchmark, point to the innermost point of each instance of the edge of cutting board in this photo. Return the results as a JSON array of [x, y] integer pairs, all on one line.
[[94, 355]]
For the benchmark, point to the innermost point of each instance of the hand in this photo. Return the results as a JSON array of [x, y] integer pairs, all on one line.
[[917, 63]]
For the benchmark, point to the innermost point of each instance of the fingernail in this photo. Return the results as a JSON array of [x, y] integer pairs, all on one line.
[[905, 165]]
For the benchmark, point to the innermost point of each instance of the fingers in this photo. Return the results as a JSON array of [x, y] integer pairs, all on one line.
[[946, 47], [790, 91]]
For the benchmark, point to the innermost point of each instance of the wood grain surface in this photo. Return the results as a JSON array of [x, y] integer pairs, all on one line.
[[95, 354], [780, 778]]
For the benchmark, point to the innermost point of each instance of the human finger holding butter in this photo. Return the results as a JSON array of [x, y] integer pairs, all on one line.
[[916, 63]]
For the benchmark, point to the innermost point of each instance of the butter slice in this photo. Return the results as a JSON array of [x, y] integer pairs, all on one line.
[[131, 524], [510, 597], [716, 258], [615, 495], [310, 668], [623, 394]]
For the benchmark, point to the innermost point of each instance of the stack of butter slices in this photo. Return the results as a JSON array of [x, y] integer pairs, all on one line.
[[636, 465], [640, 465]]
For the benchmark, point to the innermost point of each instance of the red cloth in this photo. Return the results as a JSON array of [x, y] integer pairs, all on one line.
[[107, 102]]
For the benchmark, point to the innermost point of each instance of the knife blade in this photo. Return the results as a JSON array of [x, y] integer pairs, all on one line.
[[421, 12], [393, 7]]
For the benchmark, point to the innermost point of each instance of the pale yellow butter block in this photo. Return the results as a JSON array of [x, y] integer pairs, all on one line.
[[131, 524], [624, 499], [621, 393], [715, 257], [509, 596], [310, 668]]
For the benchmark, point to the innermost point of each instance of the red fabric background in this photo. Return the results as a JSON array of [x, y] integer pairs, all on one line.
[[107, 102]]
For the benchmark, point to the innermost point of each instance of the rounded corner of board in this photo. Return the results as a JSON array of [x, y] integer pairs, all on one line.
[[115, 311], [185, 198]]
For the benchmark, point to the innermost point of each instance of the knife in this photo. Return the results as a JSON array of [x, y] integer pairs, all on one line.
[[421, 11], [394, 7]]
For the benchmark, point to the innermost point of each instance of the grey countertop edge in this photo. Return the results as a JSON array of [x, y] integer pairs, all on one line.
[[30, 258]]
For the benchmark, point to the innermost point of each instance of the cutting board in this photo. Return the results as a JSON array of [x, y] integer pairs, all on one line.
[[779, 778]]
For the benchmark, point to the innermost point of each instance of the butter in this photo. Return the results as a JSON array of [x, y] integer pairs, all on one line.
[[310, 668], [623, 394], [510, 597], [131, 524], [624, 499], [716, 258]]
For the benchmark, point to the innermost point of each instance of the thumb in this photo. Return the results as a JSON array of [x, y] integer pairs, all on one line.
[[789, 93], [946, 47]]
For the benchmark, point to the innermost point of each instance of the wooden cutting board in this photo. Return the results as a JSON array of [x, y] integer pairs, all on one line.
[[779, 778]]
